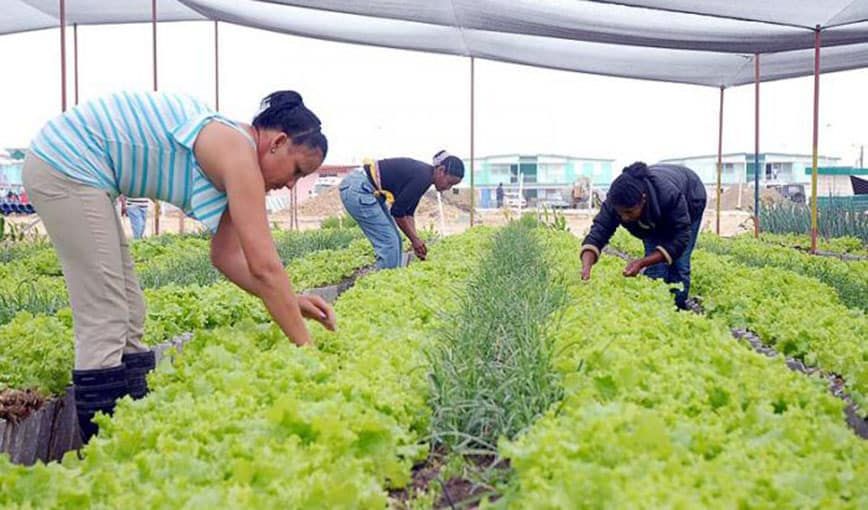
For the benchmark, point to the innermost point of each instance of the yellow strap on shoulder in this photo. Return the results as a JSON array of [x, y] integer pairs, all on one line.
[[378, 183]]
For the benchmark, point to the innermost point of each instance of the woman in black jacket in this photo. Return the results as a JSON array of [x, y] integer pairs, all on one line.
[[663, 206]]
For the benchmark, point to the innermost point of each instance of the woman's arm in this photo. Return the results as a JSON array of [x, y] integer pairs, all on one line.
[[636, 266], [229, 160], [408, 226], [603, 228], [404, 210], [228, 257]]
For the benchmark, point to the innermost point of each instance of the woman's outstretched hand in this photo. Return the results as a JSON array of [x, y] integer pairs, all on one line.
[[316, 308]]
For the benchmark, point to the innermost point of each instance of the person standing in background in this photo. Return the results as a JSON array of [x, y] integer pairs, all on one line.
[[500, 195], [136, 209]]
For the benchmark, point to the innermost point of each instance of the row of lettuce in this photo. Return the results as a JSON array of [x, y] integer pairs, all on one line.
[[245, 420], [665, 409], [36, 346], [800, 315], [847, 245], [645, 407], [849, 278], [31, 276]]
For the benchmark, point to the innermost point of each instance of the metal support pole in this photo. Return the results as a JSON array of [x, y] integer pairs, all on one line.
[[291, 210], [440, 212], [157, 208], [216, 67], [216, 72], [756, 180], [816, 139], [63, 55], [75, 58], [154, 38], [295, 209], [719, 159], [472, 133]]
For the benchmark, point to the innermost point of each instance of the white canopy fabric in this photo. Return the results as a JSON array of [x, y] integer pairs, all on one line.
[[708, 42], [26, 15]]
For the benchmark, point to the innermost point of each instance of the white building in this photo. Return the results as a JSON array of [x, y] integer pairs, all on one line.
[[775, 168]]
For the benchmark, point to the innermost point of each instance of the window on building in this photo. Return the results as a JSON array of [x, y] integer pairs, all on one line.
[[499, 173], [751, 169], [552, 173], [778, 171], [785, 172], [529, 170]]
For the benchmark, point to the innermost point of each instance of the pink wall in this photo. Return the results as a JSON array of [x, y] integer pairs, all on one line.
[[305, 185]]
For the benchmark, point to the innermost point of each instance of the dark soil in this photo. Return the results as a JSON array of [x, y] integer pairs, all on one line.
[[458, 491], [16, 405], [363, 271], [424, 475]]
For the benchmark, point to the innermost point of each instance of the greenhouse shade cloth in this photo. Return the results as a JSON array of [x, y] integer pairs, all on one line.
[[712, 42]]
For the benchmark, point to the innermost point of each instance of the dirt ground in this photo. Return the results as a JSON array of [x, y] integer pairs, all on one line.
[[456, 220], [730, 199]]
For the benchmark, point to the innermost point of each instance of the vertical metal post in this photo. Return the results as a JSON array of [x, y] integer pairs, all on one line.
[[440, 213], [294, 196], [756, 180], [816, 139], [63, 55], [75, 58], [294, 211], [157, 208], [719, 159], [216, 67], [154, 38], [472, 133]]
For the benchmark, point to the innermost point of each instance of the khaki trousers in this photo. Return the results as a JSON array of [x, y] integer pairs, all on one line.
[[107, 304]]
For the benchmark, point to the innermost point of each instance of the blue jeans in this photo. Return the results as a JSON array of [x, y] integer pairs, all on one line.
[[679, 271], [138, 216], [373, 216]]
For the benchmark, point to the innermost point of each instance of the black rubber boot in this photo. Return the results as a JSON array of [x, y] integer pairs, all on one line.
[[97, 390], [137, 365]]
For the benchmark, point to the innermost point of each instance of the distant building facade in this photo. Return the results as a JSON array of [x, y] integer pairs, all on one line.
[[739, 168], [545, 177]]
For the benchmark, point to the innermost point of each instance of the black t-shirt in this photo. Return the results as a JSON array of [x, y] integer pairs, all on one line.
[[407, 179]]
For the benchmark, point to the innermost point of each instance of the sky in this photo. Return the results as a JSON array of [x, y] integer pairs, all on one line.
[[377, 102]]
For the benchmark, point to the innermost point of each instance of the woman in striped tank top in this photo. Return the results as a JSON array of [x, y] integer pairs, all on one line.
[[172, 148]]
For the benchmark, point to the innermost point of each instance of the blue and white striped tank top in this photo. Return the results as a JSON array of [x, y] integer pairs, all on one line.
[[138, 145]]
